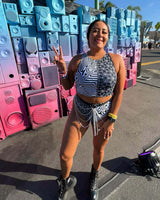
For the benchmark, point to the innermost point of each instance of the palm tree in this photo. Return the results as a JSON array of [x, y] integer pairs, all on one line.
[[110, 4], [136, 9], [103, 7], [157, 26], [144, 30]]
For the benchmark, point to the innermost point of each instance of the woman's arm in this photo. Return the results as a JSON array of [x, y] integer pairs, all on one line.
[[66, 75], [108, 126], [68, 80]]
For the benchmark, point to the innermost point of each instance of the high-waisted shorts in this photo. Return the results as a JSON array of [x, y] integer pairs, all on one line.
[[91, 112]]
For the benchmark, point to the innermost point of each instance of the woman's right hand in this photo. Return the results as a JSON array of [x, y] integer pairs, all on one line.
[[59, 60]]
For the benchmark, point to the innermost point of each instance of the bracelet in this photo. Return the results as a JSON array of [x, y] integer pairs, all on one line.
[[63, 72], [112, 115], [63, 75], [111, 119]]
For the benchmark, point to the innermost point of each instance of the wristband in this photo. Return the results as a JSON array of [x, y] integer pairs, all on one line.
[[112, 115], [63, 72], [63, 75], [111, 119]]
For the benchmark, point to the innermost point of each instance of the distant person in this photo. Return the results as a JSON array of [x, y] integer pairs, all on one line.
[[99, 79], [149, 45]]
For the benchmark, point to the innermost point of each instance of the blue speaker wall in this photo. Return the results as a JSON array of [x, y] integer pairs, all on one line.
[[56, 6], [43, 18]]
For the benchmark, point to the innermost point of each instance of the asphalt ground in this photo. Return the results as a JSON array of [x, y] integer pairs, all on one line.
[[29, 160]]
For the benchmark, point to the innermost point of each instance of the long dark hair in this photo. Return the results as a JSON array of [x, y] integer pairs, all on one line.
[[93, 23]]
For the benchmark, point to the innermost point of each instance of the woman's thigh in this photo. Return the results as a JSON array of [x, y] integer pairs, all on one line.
[[98, 141], [72, 135]]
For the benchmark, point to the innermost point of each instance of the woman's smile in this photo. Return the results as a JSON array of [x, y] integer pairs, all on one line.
[[99, 40]]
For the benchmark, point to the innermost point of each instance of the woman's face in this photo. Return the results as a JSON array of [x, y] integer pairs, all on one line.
[[98, 35]]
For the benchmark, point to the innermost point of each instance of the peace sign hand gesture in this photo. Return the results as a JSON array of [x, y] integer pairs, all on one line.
[[59, 60]]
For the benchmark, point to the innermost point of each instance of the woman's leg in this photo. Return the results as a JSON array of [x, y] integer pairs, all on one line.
[[98, 152], [71, 137], [99, 144]]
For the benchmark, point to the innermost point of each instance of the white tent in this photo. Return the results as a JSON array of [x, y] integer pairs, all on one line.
[[151, 40]]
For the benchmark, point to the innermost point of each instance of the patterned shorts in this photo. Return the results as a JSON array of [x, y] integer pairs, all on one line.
[[91, 112]]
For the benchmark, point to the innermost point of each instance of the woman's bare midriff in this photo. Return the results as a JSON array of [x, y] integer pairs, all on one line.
[[94, 100]]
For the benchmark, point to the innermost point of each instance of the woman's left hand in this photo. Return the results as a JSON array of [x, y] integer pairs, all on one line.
[[107, 129]]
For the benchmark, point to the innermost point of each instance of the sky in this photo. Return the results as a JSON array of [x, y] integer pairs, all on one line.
[[150, 9]]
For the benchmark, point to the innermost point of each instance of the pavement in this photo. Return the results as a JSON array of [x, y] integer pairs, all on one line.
[[29, 160]]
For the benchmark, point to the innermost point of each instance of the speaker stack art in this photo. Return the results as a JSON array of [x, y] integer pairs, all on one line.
[[30, 91]]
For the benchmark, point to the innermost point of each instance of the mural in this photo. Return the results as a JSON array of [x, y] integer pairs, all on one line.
[[30, 91]]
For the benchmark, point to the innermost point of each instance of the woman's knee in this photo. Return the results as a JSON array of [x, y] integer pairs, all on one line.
[[99, 144], [65, 156], [99, 148]]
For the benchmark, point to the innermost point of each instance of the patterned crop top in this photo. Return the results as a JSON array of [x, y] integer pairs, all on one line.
[[95, 78]]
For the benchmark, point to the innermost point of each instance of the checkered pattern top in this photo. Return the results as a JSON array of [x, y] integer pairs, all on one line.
[[96, 78]]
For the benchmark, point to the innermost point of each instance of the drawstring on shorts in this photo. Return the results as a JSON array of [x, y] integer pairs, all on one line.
[[89, 112]]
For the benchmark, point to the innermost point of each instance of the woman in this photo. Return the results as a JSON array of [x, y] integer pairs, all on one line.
[[99, 79]]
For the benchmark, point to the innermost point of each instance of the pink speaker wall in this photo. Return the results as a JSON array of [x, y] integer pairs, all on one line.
[[24, 80], [2, 133], [1, 77], [44, 106], [134, 72], [128, 83], [26, 60], [137, 52], [50, 76], [64, 93], [72, 90], [7, 59], [33, 81], [13, 111]]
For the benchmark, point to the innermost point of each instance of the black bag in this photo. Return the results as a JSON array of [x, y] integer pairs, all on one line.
[[149, 163]]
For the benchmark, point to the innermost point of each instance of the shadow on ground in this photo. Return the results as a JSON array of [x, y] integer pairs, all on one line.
[[47, 189]]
